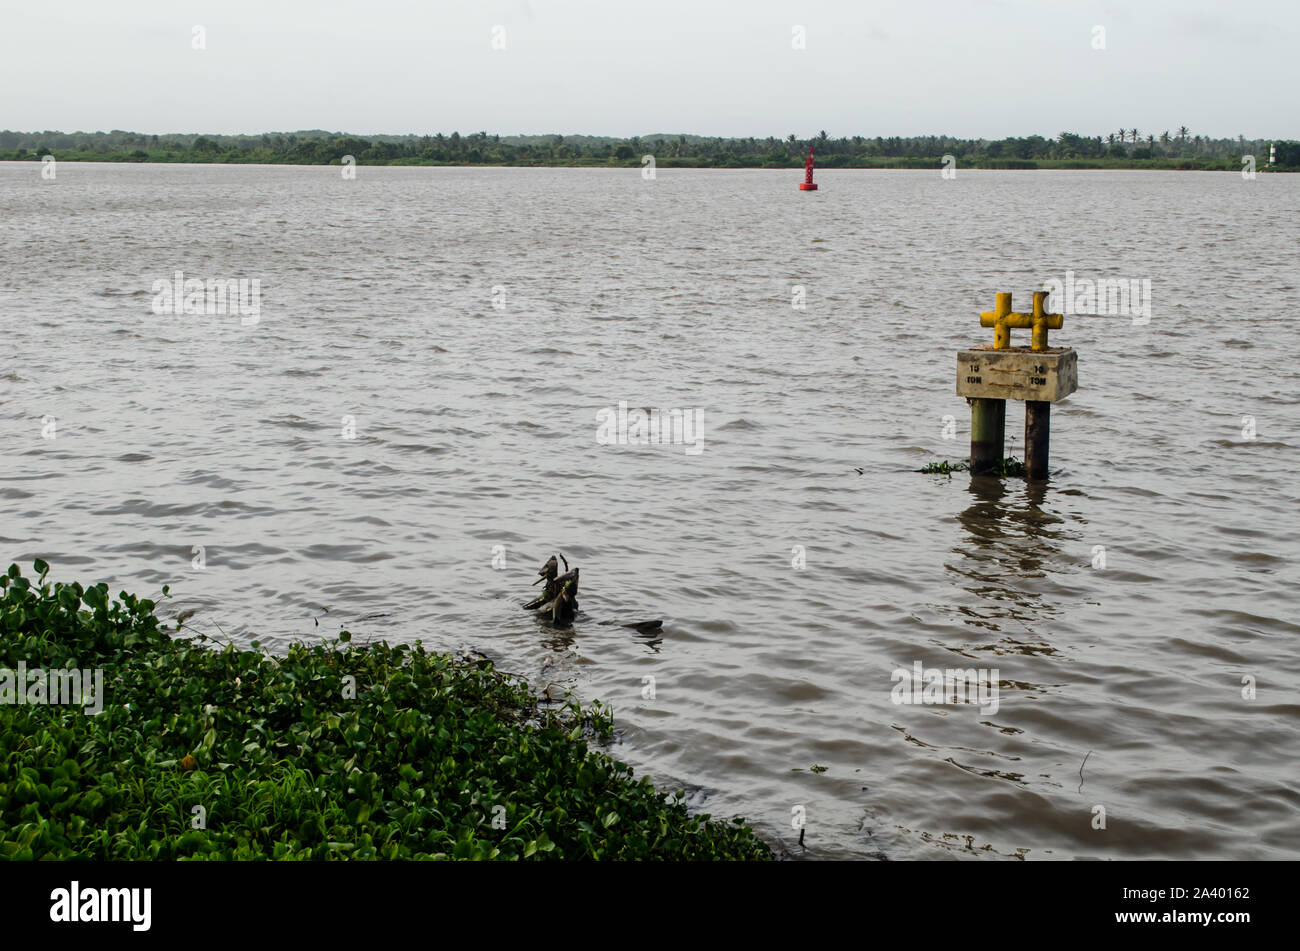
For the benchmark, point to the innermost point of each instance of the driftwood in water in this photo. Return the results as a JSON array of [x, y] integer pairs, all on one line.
[[558, 602]]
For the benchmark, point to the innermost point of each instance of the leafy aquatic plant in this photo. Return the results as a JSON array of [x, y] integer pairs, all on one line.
[[1010, 467], [944, 468], [331, 751]]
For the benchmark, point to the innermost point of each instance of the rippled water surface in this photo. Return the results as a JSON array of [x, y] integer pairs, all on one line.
[[476, 427]]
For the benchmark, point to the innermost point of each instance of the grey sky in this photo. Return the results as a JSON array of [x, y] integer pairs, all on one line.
[[993, 68]]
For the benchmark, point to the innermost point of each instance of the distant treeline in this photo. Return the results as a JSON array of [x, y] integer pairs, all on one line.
[[1124, 148]]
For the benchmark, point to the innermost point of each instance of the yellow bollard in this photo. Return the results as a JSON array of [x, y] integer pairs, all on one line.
[[1002, 319], [1043, 321], [1001, 332]]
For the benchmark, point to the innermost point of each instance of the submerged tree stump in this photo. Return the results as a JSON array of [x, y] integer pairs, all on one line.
[[558, 602]]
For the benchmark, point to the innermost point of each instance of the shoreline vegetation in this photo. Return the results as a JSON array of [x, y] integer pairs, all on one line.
[[331, 751], [1125, 149]]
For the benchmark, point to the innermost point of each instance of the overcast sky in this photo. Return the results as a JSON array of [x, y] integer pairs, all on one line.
[[972, 68]]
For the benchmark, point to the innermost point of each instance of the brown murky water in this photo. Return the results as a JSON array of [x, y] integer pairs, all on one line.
[[473, 322]]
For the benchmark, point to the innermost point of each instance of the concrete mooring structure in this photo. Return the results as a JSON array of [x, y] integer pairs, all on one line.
[[989, 376]]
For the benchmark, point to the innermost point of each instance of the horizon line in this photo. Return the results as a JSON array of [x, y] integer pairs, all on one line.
[[663, 135]]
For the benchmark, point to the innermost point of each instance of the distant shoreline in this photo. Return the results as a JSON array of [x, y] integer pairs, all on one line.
[[1175, 150], [913, 164]]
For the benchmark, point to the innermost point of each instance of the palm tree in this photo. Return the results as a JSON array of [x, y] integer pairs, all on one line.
[[1134, 133], [1182, 132], [1151, 141], [1164, 138], [1110, 139]]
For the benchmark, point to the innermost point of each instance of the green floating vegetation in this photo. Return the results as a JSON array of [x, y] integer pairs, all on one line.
[[944, 468], [1009, 468], [335, 751]]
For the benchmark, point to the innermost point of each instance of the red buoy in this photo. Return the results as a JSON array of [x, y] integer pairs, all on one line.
[[807, 184]]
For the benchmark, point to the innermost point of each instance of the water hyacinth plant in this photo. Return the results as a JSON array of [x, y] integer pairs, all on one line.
[[1010, 467], [333, 751]]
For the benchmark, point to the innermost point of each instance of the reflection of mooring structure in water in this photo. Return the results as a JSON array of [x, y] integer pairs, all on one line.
[[807, 185], [989, 376]]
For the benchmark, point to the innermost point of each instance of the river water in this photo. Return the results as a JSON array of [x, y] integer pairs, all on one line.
[[407, 428]]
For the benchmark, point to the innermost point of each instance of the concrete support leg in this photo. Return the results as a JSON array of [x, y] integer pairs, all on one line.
[[988, 423], [1038, 436]]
